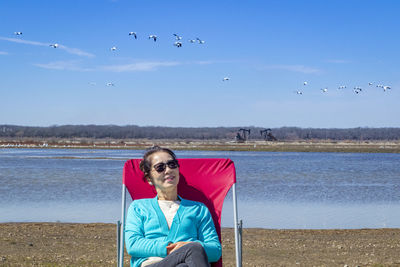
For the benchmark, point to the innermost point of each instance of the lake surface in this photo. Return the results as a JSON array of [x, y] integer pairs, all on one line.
[[279, 190]]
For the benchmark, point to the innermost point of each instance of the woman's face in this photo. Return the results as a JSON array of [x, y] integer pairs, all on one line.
[[168, 178]]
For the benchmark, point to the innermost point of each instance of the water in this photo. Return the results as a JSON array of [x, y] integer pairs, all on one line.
[[280, 190]]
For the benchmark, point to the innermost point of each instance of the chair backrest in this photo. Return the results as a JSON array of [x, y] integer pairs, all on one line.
[[204, 180]]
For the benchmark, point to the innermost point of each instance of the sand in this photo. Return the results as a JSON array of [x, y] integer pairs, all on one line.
[[65, 244]]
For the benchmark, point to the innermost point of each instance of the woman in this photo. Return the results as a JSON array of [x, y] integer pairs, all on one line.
[[168, 230]]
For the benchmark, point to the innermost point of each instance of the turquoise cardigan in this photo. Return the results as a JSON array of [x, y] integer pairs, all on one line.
[[147, 234]]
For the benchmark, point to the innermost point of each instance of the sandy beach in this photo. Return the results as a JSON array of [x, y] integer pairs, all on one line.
[[65, 244]]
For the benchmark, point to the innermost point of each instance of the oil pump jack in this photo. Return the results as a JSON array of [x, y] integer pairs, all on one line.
[[242, 135], [266, 133]]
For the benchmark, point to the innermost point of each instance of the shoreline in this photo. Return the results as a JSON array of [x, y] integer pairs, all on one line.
[[208, 145], [94, 244]]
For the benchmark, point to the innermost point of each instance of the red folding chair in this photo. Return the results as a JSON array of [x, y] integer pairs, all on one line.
[[204, 180]]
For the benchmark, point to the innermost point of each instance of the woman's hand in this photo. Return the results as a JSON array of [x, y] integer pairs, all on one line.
[[174, 246]]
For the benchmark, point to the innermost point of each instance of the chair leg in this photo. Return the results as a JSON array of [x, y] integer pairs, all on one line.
[[121, 246], [118, 240], [236, 225], [240, 226]]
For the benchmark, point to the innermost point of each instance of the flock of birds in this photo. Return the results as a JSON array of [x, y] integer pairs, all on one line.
[[356, 89], [178, 43]]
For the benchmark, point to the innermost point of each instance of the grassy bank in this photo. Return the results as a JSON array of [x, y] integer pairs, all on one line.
[[209, 145]]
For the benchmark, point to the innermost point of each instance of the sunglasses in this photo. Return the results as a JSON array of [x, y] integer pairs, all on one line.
[[160, 167]]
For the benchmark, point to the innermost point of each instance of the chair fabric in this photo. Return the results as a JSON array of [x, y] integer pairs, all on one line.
[[204, 180]]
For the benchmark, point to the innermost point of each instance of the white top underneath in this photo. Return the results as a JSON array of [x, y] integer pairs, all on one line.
[[169, 208]]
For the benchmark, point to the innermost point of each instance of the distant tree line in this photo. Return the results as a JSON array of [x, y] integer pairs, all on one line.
[[200, 133]]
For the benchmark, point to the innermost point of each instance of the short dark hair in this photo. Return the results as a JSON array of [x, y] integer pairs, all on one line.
[[145, 163]]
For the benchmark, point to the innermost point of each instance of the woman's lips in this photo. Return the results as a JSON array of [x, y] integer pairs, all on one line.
[[169, 178]]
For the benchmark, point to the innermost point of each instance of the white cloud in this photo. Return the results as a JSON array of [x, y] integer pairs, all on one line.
[[75, 65], [3, 53], [294, 68], [63, 65], [153, 65], [22, 41], [140, 66], [74, 51]]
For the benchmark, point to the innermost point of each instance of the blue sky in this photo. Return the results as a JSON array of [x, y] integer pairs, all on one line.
[[266, 48]]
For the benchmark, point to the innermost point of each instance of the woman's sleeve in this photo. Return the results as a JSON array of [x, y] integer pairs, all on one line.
[[208, 236], [136, 244]]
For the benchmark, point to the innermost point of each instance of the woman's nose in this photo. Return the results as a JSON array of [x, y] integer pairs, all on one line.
[[167, 169]]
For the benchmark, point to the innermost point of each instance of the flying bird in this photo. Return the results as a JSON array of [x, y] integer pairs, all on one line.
[[298, 92], [113, 48], [357, 89], [18, 33], [133, 34], [110, 84], [225, 79], [342, 87], [192, 41], [177, 37], [200, 41], [370, 83], [178, 44], [154, 37], [324, 90], [386, 87], [305, 83], [54, 45]]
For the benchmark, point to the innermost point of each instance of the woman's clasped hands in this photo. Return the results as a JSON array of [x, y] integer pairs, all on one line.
[[174, 246]]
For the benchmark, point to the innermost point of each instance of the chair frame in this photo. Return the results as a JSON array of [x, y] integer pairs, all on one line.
[[121, 229]]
